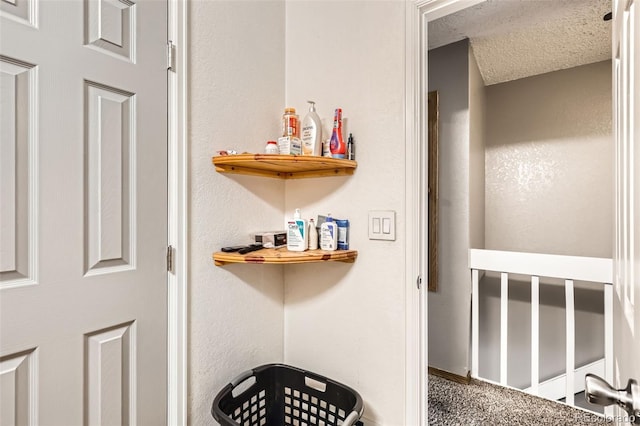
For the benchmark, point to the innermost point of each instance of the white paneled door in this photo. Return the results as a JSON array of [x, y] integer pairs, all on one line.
[[626, 63], [83, 212]]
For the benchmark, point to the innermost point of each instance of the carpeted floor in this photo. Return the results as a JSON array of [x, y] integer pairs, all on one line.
[[481, 403]]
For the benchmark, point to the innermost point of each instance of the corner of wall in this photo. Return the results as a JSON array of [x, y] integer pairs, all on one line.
[[236, 90], [346, 321], [449, 307], [477, 134]]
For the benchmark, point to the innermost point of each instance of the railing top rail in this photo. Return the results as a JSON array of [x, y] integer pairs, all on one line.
[[593, 269]]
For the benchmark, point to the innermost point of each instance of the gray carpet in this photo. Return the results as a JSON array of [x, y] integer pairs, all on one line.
[[481, 403]]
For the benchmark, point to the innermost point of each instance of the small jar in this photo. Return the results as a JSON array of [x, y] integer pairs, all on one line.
[[271, 148]]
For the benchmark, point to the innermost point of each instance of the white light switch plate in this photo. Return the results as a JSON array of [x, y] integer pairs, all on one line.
[[382, 225]]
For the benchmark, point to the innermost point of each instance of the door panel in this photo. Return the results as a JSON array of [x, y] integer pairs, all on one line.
[[110, 27], [109, 399], [83, 212], [23, 11], [109, 144], [18, 86], [17, 379]]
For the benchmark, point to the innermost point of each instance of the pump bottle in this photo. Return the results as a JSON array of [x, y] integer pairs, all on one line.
[[312, 132], [297, 233]]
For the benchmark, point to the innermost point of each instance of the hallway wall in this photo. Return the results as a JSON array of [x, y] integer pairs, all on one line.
[[549, 163], [449, 307], [477, 146], [347, 321], [236, 94]]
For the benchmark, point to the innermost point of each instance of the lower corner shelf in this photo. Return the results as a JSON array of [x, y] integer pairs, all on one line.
[[282, 256]]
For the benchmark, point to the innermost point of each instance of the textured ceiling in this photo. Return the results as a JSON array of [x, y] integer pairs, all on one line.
[[513, 39]]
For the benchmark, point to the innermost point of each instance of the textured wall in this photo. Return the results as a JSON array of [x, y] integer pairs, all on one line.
[[449, 307], [549, 175], [477, 131], [236, 96], [347, 321], [549, 163]]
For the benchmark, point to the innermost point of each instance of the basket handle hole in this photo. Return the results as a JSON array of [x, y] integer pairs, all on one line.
[[315, 384], [241, 387]]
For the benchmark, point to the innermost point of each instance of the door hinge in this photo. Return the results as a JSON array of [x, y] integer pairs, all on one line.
[[171, 57], [170, 259]]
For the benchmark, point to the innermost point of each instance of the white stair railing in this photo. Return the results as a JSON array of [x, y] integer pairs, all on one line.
[[568, 268]]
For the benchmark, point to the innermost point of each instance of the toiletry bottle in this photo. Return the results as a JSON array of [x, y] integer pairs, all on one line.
[[326, 147], [297, 233], [328, 234], [343, 234], [290, 125], [311, 132], [313, 235], [351, 148], [338, 147], [272, 148]]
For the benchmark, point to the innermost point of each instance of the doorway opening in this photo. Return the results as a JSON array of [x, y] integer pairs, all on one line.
[[525, 155]]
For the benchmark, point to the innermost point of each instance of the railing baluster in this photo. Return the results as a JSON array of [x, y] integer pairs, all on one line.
[[504, 321], [571, 339], [475, 324], [535, 333]]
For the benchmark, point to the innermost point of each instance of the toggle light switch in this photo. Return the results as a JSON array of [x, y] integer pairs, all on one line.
[[386, 225], [382, 225]]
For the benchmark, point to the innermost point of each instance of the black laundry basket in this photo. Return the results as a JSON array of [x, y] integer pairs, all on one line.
[[281, 395]]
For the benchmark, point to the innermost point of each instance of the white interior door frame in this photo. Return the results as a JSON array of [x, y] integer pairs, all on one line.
[[177, 216], [418, 14]]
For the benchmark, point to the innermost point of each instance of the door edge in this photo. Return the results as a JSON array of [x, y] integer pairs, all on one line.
[[177, 278]]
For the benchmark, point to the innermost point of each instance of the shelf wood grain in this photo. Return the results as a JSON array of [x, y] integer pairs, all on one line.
[[284, 166], [282, 256]]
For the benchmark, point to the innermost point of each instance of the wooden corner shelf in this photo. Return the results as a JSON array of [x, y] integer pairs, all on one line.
[[284, 166], [281, 256]]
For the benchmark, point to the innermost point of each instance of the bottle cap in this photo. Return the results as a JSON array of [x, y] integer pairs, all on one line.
[[289, 109], [312, 105], [296, 215]]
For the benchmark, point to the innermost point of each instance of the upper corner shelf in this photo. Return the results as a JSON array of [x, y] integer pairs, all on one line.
[[284, 166]]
